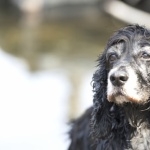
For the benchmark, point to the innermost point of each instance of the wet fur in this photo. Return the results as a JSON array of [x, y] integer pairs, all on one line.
[[107, 125]]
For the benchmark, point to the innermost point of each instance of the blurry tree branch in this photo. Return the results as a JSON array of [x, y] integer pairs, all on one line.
[[127, 13]]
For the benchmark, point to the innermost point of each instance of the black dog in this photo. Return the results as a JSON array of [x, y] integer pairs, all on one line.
[[120, 116]]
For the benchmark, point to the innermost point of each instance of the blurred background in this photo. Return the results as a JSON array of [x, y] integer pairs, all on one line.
[[48, 53]]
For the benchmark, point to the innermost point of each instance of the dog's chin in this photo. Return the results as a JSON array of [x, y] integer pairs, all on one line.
[[120, 97]]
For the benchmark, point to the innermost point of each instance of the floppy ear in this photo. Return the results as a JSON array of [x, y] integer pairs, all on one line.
[[102, 115]]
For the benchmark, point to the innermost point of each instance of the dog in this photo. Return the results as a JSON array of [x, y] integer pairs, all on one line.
[[120, 116]]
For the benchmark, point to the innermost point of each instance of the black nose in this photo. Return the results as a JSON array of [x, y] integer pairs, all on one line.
[[119, 78]]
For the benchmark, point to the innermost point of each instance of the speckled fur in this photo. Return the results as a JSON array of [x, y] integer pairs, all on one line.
[[109, 125]]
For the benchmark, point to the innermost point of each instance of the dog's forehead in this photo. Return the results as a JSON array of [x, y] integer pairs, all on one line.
[[141, 45], [128, 46]]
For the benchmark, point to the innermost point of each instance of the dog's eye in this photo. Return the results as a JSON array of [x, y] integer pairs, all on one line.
[[145, 55], [112, 57]]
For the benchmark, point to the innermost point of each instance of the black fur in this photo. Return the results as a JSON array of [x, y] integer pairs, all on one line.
[[79, 134], [107, 125]]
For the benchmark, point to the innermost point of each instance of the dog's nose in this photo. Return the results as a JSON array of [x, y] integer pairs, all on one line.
[[119, 78]]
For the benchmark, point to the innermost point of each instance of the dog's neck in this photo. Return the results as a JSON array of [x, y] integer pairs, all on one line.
[[138, 115]]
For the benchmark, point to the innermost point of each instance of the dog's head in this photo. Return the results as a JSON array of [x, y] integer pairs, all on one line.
[[122, 77], [127, 58]]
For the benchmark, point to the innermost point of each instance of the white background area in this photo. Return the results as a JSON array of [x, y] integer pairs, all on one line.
[[33, 106]]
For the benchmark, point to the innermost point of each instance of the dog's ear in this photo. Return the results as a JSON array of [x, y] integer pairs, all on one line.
[[102, 115]]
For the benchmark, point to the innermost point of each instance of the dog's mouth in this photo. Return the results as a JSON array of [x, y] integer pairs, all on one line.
[[128, 90], [120, 96]]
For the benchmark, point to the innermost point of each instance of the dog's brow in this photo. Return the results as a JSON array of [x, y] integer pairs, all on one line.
[[147, 48], [144, 43], [118, 47]]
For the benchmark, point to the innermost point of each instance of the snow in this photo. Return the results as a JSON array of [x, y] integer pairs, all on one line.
[[33, 107]]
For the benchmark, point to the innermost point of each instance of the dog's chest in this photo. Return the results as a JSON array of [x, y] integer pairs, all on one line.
[[141, 139]]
